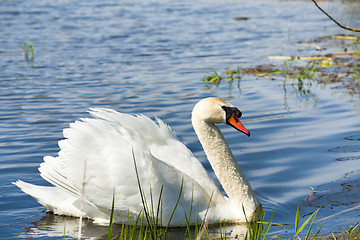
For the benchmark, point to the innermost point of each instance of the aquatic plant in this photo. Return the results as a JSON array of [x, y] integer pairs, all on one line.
[[230, 75], [356, 74], [28, 48], [287, 68], [355, 44], [307, 72], [213, 77]]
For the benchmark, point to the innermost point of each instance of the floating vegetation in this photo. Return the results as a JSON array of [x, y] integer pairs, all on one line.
[[28, 48], [228, 76], [308, 72], [213, 77], [302, 71], [356, 75]]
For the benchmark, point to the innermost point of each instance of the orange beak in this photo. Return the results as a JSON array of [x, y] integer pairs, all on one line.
[[235, 123]]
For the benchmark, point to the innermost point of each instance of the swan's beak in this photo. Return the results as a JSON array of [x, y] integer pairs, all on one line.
[[234, 121]]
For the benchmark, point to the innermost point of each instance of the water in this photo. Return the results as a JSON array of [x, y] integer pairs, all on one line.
[[150, 57]]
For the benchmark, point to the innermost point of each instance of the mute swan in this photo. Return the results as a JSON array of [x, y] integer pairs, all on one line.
[[106, 146]]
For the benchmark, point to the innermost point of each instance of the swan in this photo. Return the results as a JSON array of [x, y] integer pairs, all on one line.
[[97, 159]]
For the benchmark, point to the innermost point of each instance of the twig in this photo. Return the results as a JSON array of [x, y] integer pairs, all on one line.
[[299, 58], [326, 57], [342, 212], [339, 24]]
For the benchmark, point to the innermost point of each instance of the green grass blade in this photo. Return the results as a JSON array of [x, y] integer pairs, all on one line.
[[143, 200], [207, 211], [258, 224], [349, 232], [305, 223], [111, 217], [246, 235], [248, 225], [188, 230], [152, 213], [176, 204], [268, 224], [312, 221], [278, 237], [122, 231], [318, 231], [297, 217], [141, 231], [158, 213], [133, 227]]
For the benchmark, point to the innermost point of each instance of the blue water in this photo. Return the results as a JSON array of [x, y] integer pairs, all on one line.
[[150, 57]]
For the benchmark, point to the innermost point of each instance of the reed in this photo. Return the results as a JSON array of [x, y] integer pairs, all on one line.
[[258, 229]]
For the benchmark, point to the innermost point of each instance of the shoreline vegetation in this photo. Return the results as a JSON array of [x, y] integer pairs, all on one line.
[[146, 224], [144, 227]]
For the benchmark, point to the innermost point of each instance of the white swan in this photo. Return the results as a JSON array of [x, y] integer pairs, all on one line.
[[105, 145]]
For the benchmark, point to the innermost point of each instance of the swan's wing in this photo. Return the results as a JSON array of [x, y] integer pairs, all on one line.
[[162, 143], [98, 153]]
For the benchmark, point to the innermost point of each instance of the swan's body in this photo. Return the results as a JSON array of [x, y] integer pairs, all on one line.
[[105, 145]]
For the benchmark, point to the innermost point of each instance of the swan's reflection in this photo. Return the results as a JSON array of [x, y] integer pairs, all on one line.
[[56, 226], [52, 225]]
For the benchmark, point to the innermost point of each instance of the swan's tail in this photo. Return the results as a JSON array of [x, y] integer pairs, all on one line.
[[55, 199], [46, 196], [61, 202]]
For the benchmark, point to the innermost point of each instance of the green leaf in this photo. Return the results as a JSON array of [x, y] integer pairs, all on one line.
[[111, 217]]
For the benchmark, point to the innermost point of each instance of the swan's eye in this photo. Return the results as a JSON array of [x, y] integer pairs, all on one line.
[[230, 110], [238, 113]]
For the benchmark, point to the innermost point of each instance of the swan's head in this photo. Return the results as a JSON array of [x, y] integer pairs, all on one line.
[[216, 110]]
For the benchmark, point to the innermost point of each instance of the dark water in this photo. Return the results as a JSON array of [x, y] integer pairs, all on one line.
[[150, 57]]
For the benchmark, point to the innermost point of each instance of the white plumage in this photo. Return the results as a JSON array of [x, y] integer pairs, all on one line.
[[106, 146]]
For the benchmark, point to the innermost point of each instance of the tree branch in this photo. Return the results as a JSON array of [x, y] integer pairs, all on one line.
[[339, 24]]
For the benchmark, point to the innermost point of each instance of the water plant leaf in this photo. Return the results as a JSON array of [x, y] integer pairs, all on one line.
[[28, 48]]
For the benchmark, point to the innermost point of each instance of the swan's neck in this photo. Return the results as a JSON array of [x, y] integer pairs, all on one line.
[[226, 168]]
